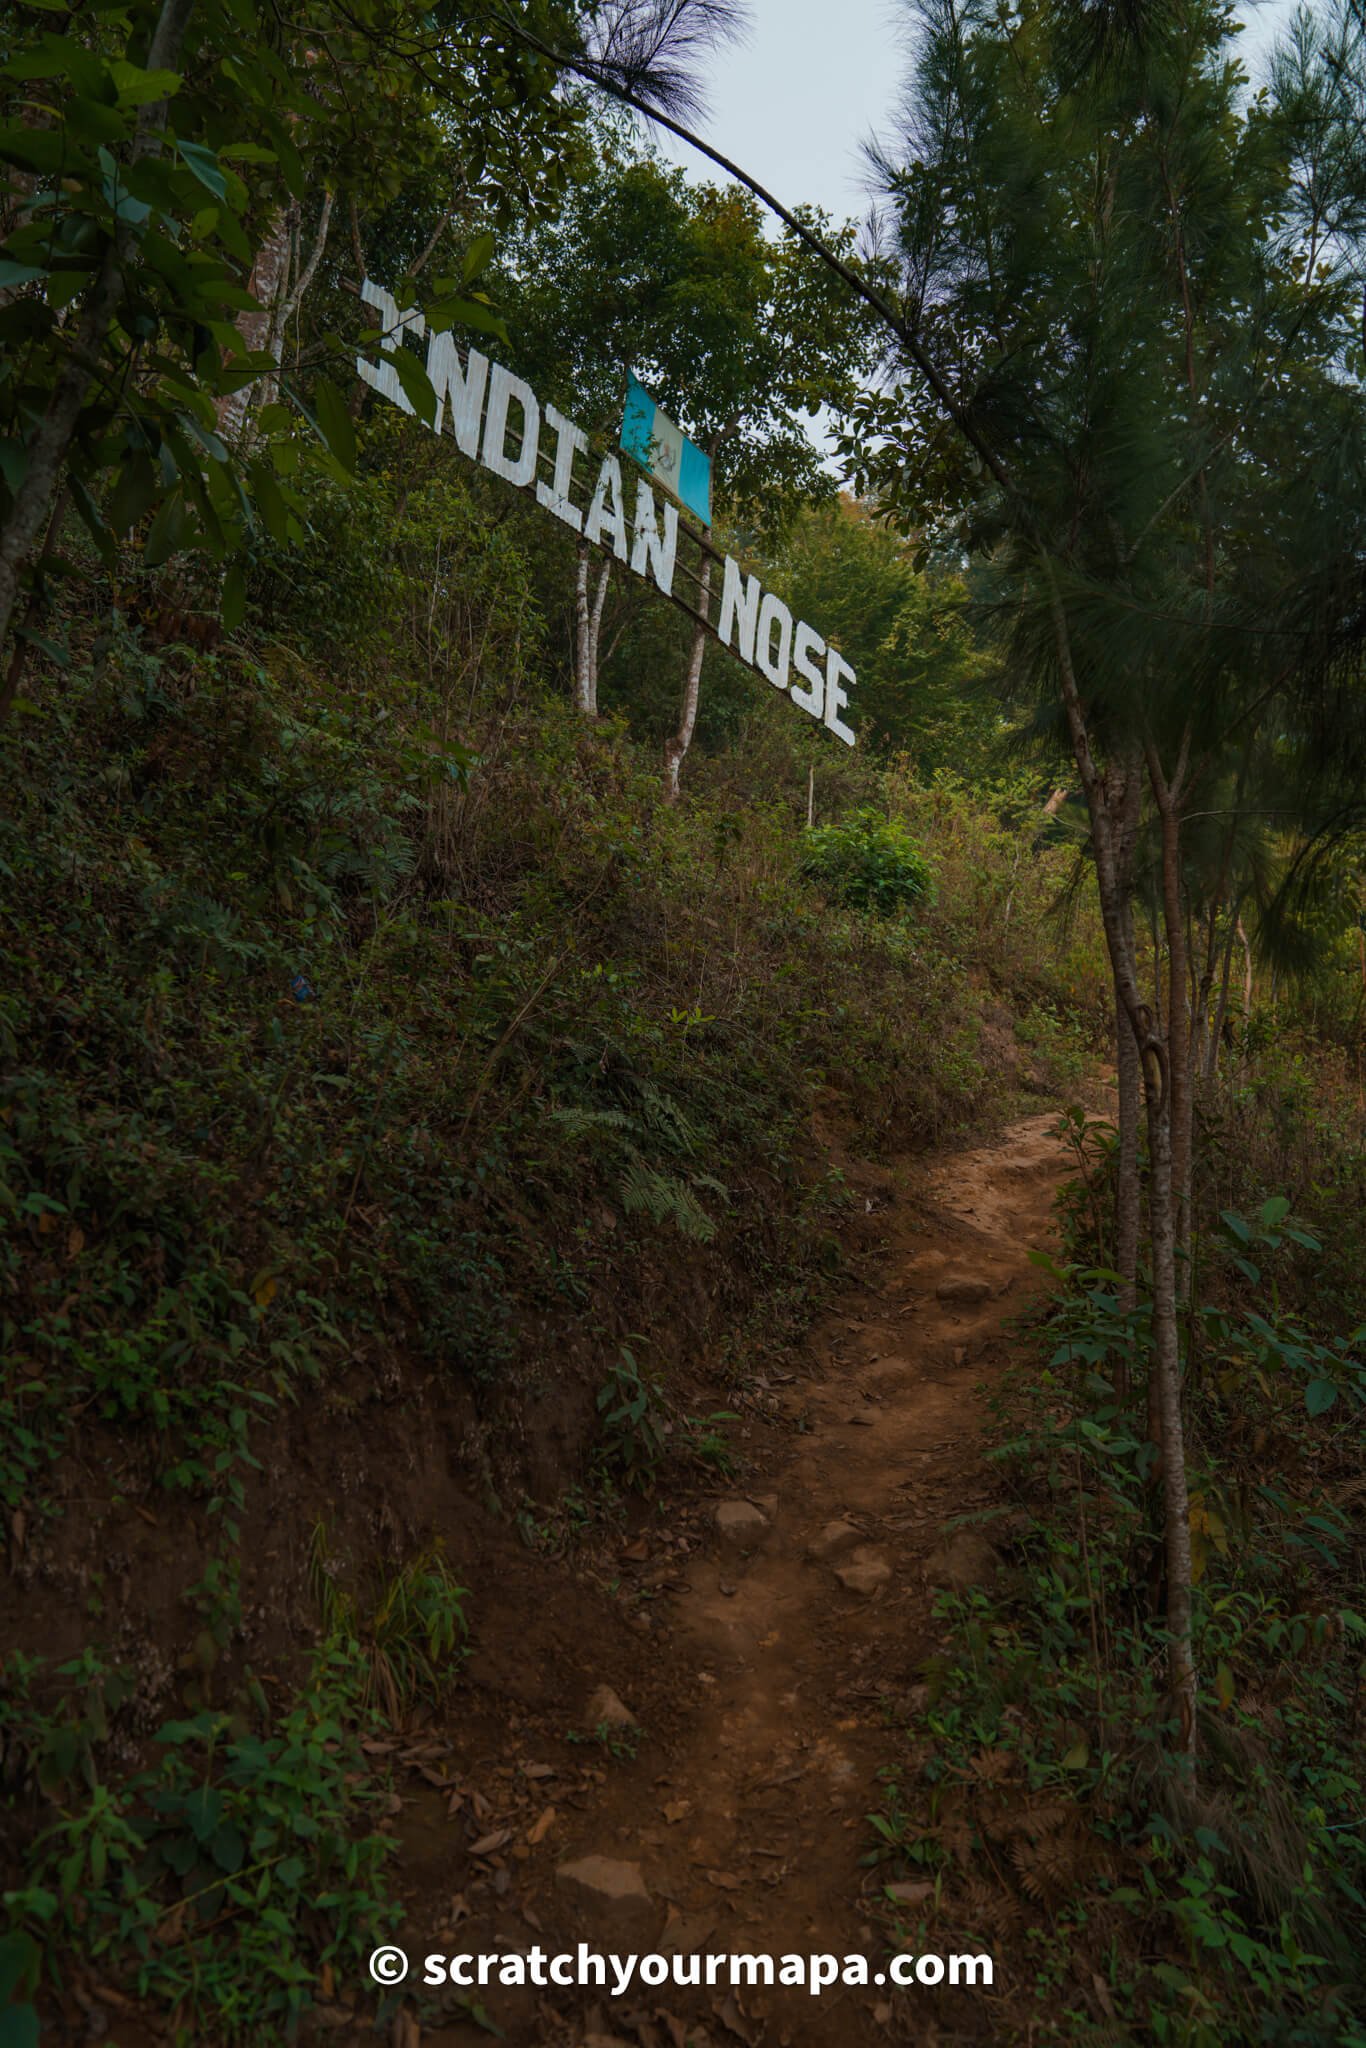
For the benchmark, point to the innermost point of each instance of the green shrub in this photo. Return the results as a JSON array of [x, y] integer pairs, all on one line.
[[633, 1433], [220, 1882], [408, 1643], [868, 862]]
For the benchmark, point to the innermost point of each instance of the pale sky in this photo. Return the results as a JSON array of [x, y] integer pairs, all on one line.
[[794, 103]]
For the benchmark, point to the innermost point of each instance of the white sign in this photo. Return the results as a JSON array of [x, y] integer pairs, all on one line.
[[496, 418]]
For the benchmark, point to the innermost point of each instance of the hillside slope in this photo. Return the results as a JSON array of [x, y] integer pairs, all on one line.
[[410, 1158]]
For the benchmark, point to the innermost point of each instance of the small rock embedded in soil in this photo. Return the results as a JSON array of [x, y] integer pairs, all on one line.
[[740, 1524], [908, 1894], [606, 1705], [963, 1292], [864, 1573], [966, 1560], [834, 1540], [611, 1894]]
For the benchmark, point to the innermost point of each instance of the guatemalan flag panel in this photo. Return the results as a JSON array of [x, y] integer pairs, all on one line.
[[665, 450]]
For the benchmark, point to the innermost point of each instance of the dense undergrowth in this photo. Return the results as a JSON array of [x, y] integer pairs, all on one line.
[[372, 1033], [1150, 1904]]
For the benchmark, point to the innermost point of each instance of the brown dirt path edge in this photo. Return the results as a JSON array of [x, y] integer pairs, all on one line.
[[747, 1818]]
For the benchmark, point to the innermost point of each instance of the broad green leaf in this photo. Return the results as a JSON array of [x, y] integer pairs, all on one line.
[[290, 161], [463, 311], [478, 257], [155, 181], [57, 654], [170, 531], [270, 503], [417, 385], [19, 1964], [206, 437], [234, 602], [135, 492], [18, 273], [1319, 1396], [335, 422], [234, 238], [204, 164], [13, 462], [58, 57], [37, 149], [19, 2023], [92, 118], [93, 518], [139, 88]]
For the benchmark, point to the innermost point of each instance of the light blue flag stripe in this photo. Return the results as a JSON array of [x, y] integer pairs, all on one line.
[[694, 480], [657, 445]]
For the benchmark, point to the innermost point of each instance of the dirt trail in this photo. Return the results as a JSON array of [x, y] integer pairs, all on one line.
[[751, 1829]]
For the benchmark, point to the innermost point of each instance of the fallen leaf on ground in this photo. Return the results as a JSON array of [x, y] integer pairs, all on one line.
[[684, 1933], [727, 1880], [486, 1844], [909, 1894], [733, 2020], [676, 1810], [541, 1828]]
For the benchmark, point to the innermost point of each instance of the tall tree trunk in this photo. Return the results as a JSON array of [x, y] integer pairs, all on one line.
[[1128, 1193], [290, 299], [47, 448], [1167, 1371], [676, 748], [1216, 1038], [1247, 971], [9, 690], [1129, 1071], [588, 630], [268, 283], [1203, 994], [595, 635], [1169, 1148], [583, 695], [1112, 883], [1168, 797]]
